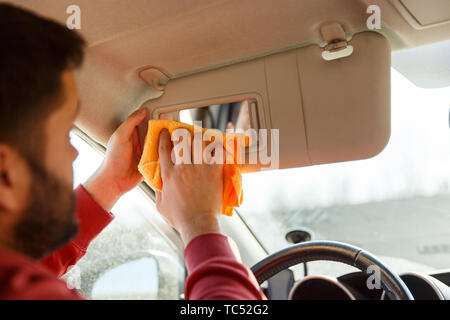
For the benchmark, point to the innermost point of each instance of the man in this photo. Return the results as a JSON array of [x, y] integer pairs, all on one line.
[[39, 212]]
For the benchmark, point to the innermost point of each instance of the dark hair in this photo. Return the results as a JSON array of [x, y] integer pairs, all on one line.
[[34, 53]]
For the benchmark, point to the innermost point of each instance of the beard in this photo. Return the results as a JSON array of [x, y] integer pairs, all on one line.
[[49, 221]]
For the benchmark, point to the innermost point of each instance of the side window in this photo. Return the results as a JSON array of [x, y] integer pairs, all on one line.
[[130, 259]]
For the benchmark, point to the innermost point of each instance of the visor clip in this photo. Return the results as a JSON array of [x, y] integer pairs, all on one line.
[[336, 46]]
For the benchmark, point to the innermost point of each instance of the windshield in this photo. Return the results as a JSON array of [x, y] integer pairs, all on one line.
[[395, 205]]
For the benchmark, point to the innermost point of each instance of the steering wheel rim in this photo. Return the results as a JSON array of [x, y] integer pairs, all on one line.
[[309, 251]]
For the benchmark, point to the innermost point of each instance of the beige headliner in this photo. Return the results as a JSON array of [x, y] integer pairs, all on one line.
[[182, 37]]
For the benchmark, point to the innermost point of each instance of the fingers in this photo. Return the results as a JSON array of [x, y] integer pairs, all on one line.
[[137, 144], [158, 199], [165, 151], [127, 127], [159, 203]]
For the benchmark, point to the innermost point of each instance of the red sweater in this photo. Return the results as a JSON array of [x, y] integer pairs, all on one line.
[[212, 260]]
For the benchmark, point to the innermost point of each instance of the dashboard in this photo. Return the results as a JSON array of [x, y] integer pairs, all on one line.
[[359, 286]]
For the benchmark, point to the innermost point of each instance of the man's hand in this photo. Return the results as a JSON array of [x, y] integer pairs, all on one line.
[[118, 173], [191, 197]]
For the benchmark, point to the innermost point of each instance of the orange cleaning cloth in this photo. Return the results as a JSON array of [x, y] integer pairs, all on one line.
[[232, 180]]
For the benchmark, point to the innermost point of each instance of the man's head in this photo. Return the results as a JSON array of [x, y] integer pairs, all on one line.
[[38, 105]]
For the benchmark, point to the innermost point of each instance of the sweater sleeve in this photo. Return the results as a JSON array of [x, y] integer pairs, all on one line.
[[92, 219], [216, 271]]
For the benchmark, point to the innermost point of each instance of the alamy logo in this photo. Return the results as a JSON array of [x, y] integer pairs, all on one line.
[[74, 20], [374, 20], [213, 147], [374, 279]]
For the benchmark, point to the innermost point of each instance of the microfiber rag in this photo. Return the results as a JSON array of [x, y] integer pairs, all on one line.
[[232, 180]]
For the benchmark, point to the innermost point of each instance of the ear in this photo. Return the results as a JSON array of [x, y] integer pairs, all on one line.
[[15, 181]]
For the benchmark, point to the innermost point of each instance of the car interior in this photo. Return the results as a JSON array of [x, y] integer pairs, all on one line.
[[361, 111]]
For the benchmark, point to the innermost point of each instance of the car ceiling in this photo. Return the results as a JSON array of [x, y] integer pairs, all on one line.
[[181, 37]]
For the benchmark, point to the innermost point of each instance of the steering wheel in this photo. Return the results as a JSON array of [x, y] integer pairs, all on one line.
[[393, 286]]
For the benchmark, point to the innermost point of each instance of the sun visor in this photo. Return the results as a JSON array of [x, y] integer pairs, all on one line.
[[325, 110]]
